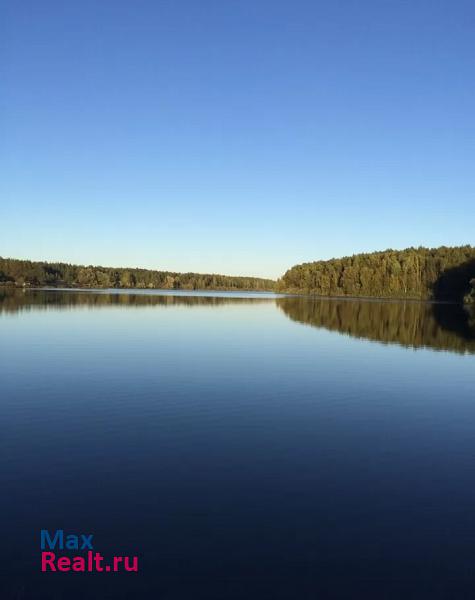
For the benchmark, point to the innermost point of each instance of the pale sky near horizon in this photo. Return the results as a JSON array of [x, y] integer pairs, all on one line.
[[238, 137]]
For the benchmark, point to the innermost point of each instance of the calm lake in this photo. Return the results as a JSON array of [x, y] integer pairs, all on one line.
[[243, 446]]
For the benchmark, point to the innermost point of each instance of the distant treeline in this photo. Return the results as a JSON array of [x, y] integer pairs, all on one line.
[[37, 274], [422, 273]]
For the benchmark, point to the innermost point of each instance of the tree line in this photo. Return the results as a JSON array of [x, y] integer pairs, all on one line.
[[421, 273], [39, 274], [445, 273]]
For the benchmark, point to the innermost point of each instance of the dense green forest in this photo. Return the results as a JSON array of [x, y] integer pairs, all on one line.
[[38, 274], [421, 273]]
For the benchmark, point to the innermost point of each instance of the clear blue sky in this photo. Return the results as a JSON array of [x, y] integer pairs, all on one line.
[[235, 136]]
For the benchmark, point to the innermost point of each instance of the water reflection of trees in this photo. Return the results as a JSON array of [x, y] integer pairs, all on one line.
[[15, 300], [411, 324]]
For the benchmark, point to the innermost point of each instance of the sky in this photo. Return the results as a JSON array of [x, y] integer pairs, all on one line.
[[234, 136]]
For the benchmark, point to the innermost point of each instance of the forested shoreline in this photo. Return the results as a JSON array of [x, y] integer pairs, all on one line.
[[25, 273], [445, 273]]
